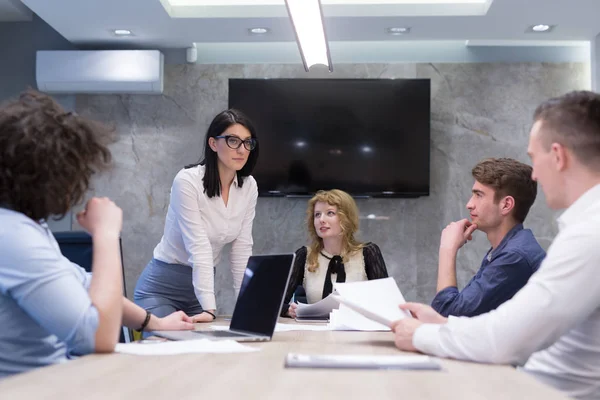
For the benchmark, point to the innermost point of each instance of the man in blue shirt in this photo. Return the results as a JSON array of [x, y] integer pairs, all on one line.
[[502, 196]]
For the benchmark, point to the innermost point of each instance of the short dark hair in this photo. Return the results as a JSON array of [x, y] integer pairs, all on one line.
[[223, 120], [47, 155], [573, 120], [508, 177]]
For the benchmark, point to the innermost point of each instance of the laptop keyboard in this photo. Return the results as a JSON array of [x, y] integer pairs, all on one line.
[[220, 333]]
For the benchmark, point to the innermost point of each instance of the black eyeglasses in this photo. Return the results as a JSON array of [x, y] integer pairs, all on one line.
[[234, 142]]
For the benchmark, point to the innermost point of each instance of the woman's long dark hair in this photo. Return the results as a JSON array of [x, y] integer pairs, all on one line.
[[223, 120]]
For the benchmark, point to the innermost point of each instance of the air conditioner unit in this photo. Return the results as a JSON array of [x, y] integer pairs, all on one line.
[[100, 71]]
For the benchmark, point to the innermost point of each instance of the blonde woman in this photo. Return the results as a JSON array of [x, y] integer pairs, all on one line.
[[334, 255]]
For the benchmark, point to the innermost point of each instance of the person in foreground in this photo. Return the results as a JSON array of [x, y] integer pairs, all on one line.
[[502, 195], [212, 204], [551, 327], [334, 255], [51, 308]]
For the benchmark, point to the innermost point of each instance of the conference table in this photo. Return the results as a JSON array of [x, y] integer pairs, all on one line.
[[262, 375]]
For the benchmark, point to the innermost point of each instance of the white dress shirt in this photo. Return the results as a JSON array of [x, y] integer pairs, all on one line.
[[197, 227], [552, 325]]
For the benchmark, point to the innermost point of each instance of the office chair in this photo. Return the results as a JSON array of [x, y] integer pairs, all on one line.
[[300, 295], [77, 247]]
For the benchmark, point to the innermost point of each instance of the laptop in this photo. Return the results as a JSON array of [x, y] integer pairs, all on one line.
[[258, 305]]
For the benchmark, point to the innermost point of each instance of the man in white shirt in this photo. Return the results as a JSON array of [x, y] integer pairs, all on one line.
[[551, 327]]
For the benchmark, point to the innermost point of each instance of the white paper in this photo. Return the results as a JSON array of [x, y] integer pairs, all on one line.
[[163, 348], [321, 308], [285, 327], [219, 327], [379, 296], [300, 327], [346, 319]]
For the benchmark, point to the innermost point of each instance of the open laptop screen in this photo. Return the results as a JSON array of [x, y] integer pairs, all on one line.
[[261, 294]]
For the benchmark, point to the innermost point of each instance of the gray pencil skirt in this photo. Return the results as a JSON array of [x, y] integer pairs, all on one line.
[[165, 288]]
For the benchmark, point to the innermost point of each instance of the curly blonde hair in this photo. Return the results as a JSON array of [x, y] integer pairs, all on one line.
[[347, 212]]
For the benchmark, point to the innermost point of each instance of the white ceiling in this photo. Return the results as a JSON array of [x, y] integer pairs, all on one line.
[[90, 22], [14, 11]]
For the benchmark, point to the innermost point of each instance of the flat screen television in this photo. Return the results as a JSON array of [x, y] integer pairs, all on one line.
[[368, 137]]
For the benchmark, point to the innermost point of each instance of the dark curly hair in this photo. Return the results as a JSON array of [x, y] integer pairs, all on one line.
[[47, 155]]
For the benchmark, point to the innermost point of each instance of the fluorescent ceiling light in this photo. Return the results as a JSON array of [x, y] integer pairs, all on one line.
[[187, 3], [307, 19], [333, 8]]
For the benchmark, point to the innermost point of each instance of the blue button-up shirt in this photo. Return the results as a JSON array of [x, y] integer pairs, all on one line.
[[45, 311], [503, 272]]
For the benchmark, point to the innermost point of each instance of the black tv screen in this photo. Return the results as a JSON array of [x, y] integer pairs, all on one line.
[[368, 137]]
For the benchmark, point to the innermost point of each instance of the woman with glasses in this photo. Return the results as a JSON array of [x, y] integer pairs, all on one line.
[[212, 204]]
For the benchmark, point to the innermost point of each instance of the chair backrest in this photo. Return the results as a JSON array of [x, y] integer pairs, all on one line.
[[300, 295], [77, 247]]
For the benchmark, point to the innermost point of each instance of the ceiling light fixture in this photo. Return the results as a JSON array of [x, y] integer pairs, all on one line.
[[540, 28], [307, 20], [258, 31], [122, 32], [397, 30]]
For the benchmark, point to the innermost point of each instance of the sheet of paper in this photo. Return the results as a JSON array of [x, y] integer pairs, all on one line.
[[379, 296], [164, 348], [285, 327], [346, 319], [321, 308], [300, 327]]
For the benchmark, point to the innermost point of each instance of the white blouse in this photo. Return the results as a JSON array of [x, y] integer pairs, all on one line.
[[197, 227], [314, 281]]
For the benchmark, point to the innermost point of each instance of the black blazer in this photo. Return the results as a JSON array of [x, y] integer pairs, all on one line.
[[374, 268]]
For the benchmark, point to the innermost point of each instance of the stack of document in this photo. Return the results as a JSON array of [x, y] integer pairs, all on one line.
[[367, 306], [346, 319], [320, 309]]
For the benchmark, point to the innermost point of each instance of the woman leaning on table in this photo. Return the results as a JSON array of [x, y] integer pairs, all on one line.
[[212, 204], [334, 254]]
